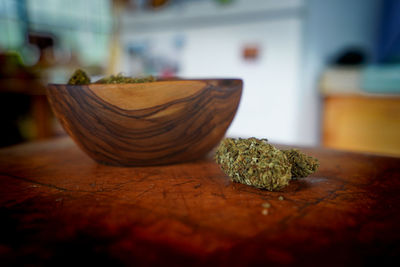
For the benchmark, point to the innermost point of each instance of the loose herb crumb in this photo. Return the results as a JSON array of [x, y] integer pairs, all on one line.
[[280, 198], [264, 212], [257, 163], [266, 205]]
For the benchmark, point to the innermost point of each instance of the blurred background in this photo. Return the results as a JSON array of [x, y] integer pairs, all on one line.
[[316, 72]]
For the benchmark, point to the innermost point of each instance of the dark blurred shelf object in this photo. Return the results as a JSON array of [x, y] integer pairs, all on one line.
[[28, 87], [25, 111], [38, 110]]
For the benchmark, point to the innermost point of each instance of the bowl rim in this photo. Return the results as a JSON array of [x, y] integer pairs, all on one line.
[[157, 81]]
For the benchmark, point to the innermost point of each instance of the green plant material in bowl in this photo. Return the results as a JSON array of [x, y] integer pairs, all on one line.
[[124, 79], [79, 77]]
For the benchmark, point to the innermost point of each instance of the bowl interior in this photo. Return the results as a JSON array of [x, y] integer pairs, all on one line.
[[144, 95]]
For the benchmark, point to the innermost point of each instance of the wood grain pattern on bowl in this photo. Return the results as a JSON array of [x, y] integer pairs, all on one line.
[[147, 124]]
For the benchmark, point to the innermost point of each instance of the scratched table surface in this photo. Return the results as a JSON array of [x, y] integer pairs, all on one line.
[[58, 207]]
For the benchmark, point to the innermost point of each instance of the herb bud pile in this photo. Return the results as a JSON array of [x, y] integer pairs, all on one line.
[[80, 78], [125, 79], [257, 163]]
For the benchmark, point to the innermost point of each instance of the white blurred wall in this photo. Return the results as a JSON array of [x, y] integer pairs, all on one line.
[[280, 99], [271, 84]]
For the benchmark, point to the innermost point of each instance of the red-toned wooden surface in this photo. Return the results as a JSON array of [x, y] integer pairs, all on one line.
[[59, 207]]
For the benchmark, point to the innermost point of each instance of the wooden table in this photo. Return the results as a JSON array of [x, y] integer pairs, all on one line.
[[58, 207]]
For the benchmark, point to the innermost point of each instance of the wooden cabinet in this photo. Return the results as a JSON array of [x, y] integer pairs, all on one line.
[[362, 123]]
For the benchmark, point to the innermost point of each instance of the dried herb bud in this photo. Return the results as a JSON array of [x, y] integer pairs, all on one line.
[[79, 77], [124, 79], [254, 162], [302, 165], [266, 205]]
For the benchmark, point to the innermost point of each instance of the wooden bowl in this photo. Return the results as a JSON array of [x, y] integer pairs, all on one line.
[[148, 123]]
